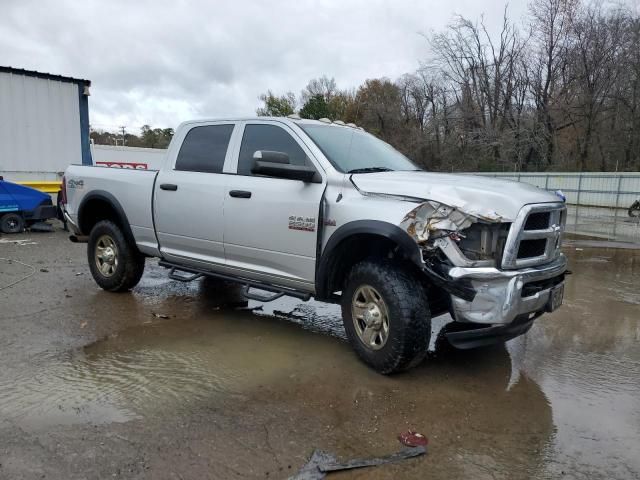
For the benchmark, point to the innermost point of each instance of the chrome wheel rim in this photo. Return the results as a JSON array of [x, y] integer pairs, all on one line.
[[370, 317], [106, 255]]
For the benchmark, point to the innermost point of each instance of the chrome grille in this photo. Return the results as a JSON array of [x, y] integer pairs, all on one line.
[[537, 221], [535, 236]]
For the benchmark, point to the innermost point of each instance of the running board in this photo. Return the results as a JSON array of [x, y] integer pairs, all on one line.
[[198, 273], [260, 298], [183, 278]]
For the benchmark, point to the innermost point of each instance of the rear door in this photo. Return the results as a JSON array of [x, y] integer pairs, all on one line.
[[271, 224], [189, 197]]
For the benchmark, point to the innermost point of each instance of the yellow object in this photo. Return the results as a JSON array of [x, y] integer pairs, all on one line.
[[46, 187]]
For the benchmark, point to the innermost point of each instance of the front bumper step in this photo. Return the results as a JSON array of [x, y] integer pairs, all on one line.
[[485, 336]]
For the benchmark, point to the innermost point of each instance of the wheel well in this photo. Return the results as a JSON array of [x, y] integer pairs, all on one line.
[[361, 246], [95, 210], [353, 250]]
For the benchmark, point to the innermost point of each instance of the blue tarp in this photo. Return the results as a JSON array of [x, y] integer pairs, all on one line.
[[17, 198]]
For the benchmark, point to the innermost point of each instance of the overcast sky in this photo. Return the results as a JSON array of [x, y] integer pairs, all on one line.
[[160, 63]]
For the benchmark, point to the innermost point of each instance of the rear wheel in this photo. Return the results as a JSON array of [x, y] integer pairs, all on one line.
[[115, 263], [11, 223], [386, 316]]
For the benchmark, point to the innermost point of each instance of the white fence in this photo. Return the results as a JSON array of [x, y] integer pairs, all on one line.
[[598, 202], [616, 190], [105, 155], [128, 157]]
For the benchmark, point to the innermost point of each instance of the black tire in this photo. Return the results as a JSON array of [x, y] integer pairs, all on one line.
[[11, 223], [407, 307], [123, 274]]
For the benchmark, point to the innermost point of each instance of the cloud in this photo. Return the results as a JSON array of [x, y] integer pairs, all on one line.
[[162, 62]]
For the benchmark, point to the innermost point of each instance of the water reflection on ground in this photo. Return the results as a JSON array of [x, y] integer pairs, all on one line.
[[562, 400]]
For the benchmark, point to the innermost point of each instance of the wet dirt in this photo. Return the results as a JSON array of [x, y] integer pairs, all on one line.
[[190, 381]]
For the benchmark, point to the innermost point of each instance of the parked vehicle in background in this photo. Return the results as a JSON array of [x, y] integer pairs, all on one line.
[[22, 207], [319, 209]]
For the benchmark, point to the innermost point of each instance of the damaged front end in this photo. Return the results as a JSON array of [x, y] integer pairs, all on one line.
[[467, 238], [462, 250]]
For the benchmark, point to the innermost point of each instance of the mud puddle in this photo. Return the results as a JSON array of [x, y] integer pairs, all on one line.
[[192, 343], [190, 352]]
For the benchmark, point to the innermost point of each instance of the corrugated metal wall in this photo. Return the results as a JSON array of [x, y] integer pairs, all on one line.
[[39, 126]]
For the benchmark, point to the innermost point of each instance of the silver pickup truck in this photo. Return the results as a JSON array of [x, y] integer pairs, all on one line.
[[325, 210]]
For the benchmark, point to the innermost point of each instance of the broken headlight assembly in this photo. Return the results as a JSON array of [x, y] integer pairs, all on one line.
[[468, 238]]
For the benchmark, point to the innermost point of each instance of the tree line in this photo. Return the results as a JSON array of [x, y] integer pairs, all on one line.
[[148, 137], [559, 92]]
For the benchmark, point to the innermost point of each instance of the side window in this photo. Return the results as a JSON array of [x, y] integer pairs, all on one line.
[[268, 137], [204, 149]]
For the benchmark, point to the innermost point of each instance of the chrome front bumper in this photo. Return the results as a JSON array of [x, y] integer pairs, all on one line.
[[498, 293]]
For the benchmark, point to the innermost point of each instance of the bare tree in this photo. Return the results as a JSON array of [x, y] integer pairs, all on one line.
[[561, 93], [551, 22], [324, 86]]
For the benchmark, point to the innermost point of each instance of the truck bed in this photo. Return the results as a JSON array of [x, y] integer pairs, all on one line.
[[133, 190]]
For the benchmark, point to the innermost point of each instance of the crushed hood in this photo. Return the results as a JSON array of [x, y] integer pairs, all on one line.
[[476, 195]]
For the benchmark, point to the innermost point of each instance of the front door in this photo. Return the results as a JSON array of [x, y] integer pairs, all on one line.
[[271, 224]]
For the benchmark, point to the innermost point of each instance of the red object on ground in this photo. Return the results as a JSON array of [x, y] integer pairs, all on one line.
[[413, 439]]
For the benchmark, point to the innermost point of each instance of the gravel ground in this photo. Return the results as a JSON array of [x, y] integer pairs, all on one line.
[[188, 381]]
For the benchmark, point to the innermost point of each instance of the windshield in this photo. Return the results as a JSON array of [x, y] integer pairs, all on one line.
[[355, 151]]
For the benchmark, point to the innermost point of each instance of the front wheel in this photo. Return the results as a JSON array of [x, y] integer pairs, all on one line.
[[115, 263], [386, 316]]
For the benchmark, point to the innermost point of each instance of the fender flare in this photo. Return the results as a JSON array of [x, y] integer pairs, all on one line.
[[372, 227], [111, 200]]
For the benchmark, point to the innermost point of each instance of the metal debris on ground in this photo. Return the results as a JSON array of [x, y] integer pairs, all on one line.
[[321, 463], [160, 315], [413, 439]]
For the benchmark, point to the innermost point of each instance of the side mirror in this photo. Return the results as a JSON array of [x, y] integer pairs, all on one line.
[[271, 156], [276, 164]]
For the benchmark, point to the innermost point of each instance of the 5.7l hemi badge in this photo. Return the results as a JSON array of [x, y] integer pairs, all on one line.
[[306, 224]]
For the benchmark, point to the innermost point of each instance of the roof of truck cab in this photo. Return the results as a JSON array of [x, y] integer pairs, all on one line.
[[249, 119]]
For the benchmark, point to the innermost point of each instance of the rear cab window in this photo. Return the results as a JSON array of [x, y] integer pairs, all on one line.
[[204, 149]]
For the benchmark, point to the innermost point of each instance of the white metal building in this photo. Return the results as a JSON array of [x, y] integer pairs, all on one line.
[[44, 124]]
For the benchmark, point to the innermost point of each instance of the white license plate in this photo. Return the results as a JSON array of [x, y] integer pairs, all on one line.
[[555, 297]]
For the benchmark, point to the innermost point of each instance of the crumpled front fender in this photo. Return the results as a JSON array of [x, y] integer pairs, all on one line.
[[430, 220]]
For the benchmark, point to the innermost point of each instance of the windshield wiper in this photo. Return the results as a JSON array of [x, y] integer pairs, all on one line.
[[370, 170]]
